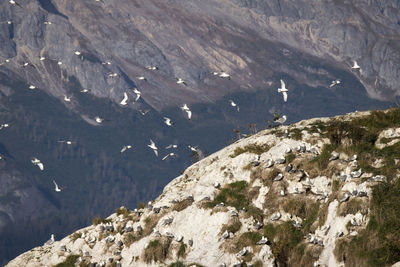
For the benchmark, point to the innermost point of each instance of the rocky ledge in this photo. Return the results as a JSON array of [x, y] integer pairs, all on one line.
[[321, 192]]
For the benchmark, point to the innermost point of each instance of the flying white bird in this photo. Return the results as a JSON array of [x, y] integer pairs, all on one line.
[[152, 67], [125, 100], [193, 148], [67, 99], [180, 81], [167, 121], [68, 142], [283, 90], [225, 75], [281, 120], [4, 125], [144, 112], [125, 148], [153, 147], [12, 2], [355, 65], [138, 94], [334, 82], [233, 104], [169, 155], [171, 146], [98, 119], [37, 162], [187, 110], [32, 87], [57, 188]]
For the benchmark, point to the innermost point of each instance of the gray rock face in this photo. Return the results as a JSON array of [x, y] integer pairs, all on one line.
[[191, 39]]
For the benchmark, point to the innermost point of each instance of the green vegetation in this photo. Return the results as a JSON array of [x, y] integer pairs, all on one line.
[[296, 134], [122, 211], [379, 243], [141, 205], [290, 157], [129, 239], [99, 220], [304, 209], [248, 239], [183, 204], [323, 158], [69, 261], [233, 226], [253, 148], [157, 250], [75, 236], [182, 250], [232, 195], [177, 264], [284, 239]]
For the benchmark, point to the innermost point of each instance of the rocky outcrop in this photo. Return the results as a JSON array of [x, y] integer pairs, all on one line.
[[257, 201]]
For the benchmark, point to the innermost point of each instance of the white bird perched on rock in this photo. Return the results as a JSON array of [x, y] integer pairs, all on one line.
[[168, 121], [168, 155], [84, 91], [59, 62], [37, 162], [67, 99], [138, 94], [283, 90], [263, 241], [50, 241], [233, 104], [106, 63], [276, 216], [281, 120], [142, 78], [144, 112], [113, 74], [224, 75], [187, 110], [356, 66], [194, 149], [56, 188], [124, 101], [153, 147], [32, 87], [42, 58], [171, 146], [125, 148], [180, 81], [215, 73], [78, 53], [47, 23]]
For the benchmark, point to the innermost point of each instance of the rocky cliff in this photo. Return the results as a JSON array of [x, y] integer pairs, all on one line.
[[321, 192]]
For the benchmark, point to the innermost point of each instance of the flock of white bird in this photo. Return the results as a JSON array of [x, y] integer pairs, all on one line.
[[138, 94]]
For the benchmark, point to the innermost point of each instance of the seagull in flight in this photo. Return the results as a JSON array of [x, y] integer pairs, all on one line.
[[153, 147], [224, 75], [37, 162], [171, 146], [4, 125], [152, 67], [180, 81], [281, 120], [125, 100], [68, 142], [125, 148], [12, 2], [138, 93], [334, 82], [168, 155], [356, 66], [283, 90], [144, 112], [233, 104], [57, 188], [193, 148], [67, 99], [167, 121], [187, 110], [98, 119]]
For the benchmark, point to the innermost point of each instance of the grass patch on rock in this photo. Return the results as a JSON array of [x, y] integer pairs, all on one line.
[[156, 251], [252, 148], [69, 261]]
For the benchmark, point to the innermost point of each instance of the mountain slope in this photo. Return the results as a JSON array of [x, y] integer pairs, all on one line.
[[336, 204]]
